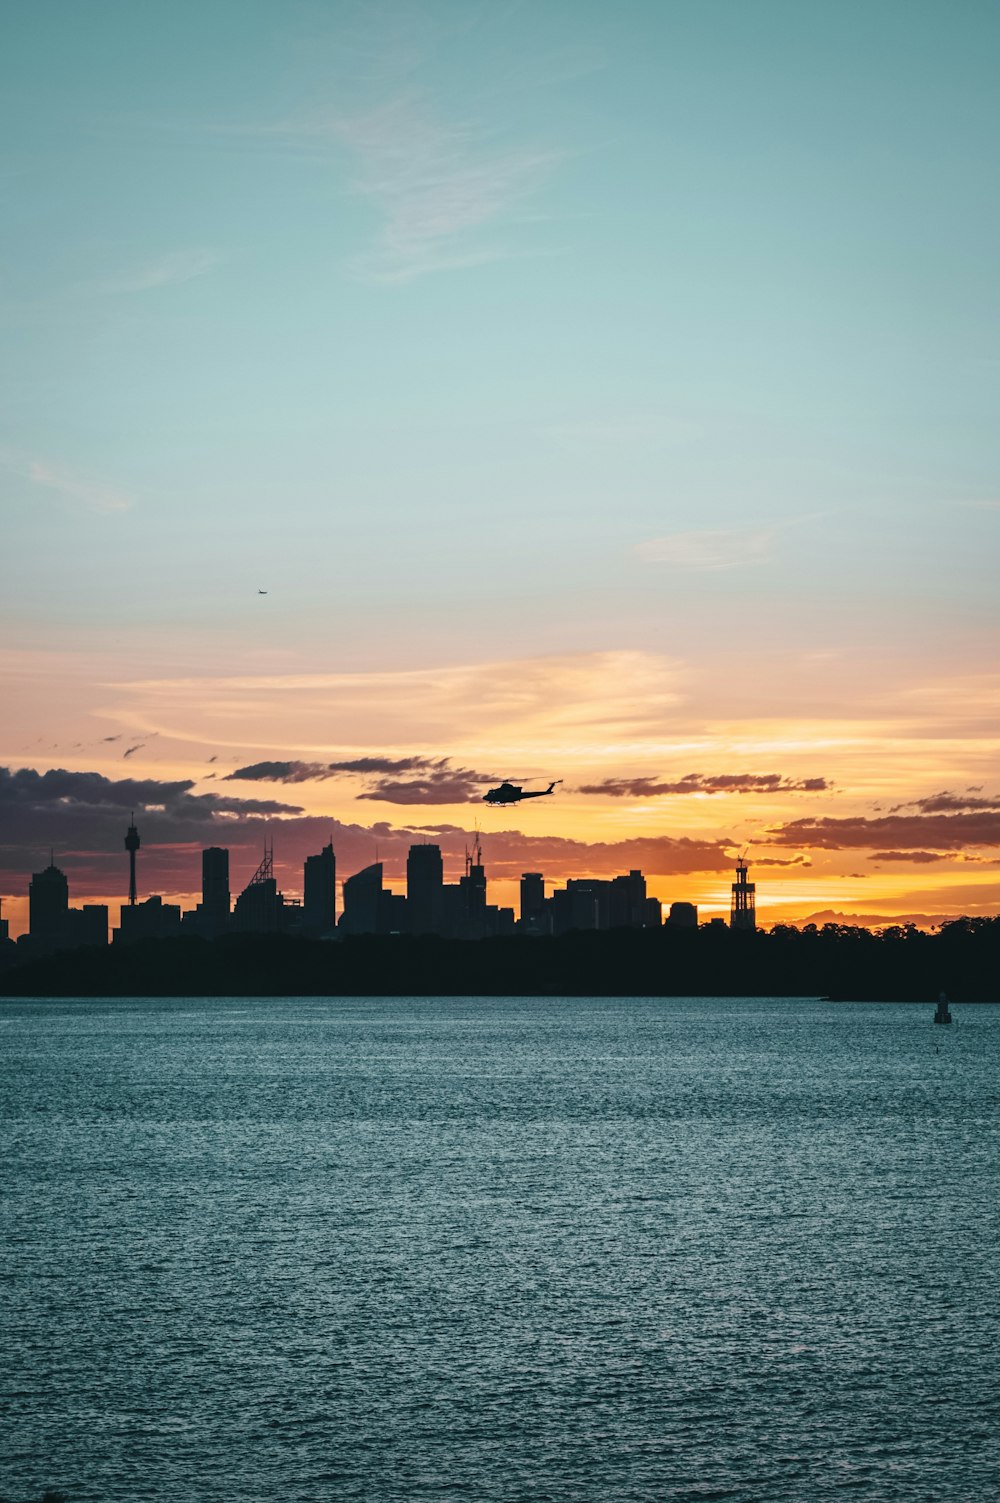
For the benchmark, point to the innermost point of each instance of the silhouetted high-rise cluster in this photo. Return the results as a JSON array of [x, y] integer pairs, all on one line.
[[430, 906], [53, 924]]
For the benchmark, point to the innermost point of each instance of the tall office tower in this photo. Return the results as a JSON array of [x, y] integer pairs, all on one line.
[[215, 884], [364, 907], [319, 893], [48, 905], [532, 899], [743, 914], [260, 907], [627, 901], [132, 845], [588, 903], [424, 881]]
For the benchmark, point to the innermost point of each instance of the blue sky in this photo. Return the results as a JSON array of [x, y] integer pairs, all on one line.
[[479, 331], [363, 266]]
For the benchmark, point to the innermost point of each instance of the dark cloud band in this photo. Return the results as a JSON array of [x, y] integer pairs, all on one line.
[[434, 780], [892, 832], [698, 782]]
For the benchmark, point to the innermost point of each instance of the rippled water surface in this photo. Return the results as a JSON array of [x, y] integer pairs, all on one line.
[[498, 1249]]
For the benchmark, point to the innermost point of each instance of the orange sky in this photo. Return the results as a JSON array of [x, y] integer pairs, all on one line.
[[874, 753]]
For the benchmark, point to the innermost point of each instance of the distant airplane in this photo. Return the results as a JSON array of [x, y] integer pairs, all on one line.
[[261, 592], [513, 793]]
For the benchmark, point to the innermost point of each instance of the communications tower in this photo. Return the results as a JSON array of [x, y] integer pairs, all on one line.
[[743, 914], [131, 845]]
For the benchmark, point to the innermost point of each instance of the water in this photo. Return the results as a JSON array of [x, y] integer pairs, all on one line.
[[498, 1250]]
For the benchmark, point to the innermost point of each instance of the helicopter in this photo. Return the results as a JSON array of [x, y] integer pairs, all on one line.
[[512, 793]]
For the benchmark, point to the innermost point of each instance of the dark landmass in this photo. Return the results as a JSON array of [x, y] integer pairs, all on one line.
[[838, 961]]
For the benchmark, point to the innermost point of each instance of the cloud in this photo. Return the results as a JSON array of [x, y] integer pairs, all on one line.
[[711, 549], [303, 772], [510, 853], [166, 271], [442, 785], [920, 857], [780, 861], [518, 705], [899, 832], [60, 806], [697, 782], [949, 803], [434, 185], [387, 764], [438, 783], [131, 751], [93, 494], [83, 816], [279, 772]]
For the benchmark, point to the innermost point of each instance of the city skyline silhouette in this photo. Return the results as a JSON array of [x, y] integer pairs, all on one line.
[[607, 402]]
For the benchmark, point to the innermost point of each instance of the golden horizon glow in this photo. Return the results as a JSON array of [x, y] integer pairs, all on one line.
[[584, 717]]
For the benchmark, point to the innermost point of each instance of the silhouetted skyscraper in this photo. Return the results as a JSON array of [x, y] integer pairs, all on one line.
[[363, 901], [473, 889], [319, 892], [48, 905], [215, 884], [532, 897], [744, 907], [132, 845], [627, 901], [587, 903], [424, 881], [259, 909]]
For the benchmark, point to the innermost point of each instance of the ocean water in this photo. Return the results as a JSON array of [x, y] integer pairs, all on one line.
[[419, 1249]]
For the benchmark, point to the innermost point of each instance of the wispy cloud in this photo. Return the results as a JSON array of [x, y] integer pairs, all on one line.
[[448, 183], [721, 547], [710, 549], [545, 703], [435, 185], [96, 495], [165, 270]]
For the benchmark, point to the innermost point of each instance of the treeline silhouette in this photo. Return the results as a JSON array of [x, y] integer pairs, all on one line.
[[837, 961]]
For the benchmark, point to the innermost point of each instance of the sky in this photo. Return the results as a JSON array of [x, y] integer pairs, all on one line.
[[604, 393]]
